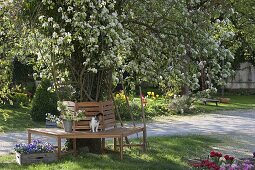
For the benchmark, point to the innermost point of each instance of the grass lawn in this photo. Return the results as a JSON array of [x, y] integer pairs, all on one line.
[[236, 102], [16, 119], [163, 153]]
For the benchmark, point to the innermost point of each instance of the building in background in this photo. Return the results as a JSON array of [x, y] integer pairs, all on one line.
[[244, 78]]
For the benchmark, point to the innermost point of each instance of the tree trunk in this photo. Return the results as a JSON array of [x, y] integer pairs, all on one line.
[[92, 87]]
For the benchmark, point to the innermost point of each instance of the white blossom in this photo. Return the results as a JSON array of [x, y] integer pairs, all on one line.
[[50, 19], [79, 38], [55, 25], [92, 39], [41, 17], [69, 8], [60, 9], [60, 40], [45, 24], [68, 20], [54, 35], [114, 14], [94, 70]]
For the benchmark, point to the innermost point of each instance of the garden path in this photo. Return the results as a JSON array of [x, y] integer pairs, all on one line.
[[235, 127]]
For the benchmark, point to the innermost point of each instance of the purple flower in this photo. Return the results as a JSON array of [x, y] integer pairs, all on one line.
[[247, 165], [36, 141], [37, 146]]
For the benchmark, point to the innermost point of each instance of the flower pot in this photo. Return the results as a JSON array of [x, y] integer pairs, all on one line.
[[24, 158], [68, 125], [50, 124]]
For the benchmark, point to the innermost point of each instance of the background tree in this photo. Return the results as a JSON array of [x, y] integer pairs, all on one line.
[[243, 21], [7, 39], [171, 39]]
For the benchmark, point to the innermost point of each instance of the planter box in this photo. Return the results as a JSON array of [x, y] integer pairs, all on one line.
[[50, 124], [35, 158]]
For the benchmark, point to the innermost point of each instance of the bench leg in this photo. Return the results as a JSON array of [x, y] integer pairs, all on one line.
[[29, 137], [216, 103], [59, 147], [75, 146], [144, 141], [121, 147], [114, 144], [103, 145]]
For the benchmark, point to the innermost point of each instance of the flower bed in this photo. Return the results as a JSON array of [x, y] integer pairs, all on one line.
[[216, 161], [35, 152]]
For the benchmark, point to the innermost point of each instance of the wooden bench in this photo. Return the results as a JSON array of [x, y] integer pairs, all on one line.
[[205, 101], [107, 116], [81, 129]]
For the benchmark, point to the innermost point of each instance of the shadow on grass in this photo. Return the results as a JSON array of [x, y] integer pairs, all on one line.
[[16, 119], [163, 153]]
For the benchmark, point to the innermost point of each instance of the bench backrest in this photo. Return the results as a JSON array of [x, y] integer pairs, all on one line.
[[105, 111]]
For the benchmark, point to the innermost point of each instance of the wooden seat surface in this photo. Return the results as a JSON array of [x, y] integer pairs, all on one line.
[[111, 133], [210, 100]]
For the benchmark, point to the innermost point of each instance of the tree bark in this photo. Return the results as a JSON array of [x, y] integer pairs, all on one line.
[[93, 87]]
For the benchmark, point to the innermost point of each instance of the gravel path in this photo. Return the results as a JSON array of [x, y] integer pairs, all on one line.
[[235, 127]]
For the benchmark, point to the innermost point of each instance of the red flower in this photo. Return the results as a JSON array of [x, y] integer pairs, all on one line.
[[213, 165], [226, 157], [231, 158], [212, 154], [197, 165], [215, 154]]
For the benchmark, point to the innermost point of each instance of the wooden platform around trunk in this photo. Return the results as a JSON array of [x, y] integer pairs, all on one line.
[[115, 133]]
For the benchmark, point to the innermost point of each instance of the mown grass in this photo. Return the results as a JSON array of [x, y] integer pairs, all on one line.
[[236, 102], [160, 106], [163, 153], [16, 119]]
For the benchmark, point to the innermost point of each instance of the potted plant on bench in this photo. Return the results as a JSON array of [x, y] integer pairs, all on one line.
[[52, 121], [68, 116]]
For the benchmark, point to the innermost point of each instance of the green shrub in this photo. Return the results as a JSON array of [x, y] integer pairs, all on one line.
[[182, 104], [20, 99], [155, 107], [124, 110], [44, 101], [30, 88]]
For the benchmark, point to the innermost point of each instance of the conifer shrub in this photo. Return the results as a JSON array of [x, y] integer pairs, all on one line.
[[44, 101]]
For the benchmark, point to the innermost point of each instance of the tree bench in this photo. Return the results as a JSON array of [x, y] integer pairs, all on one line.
[[205, 101], [81, 129]]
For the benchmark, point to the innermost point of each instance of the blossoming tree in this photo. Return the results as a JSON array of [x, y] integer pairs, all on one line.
[[166, 42], [173, 38], [80, 43]]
